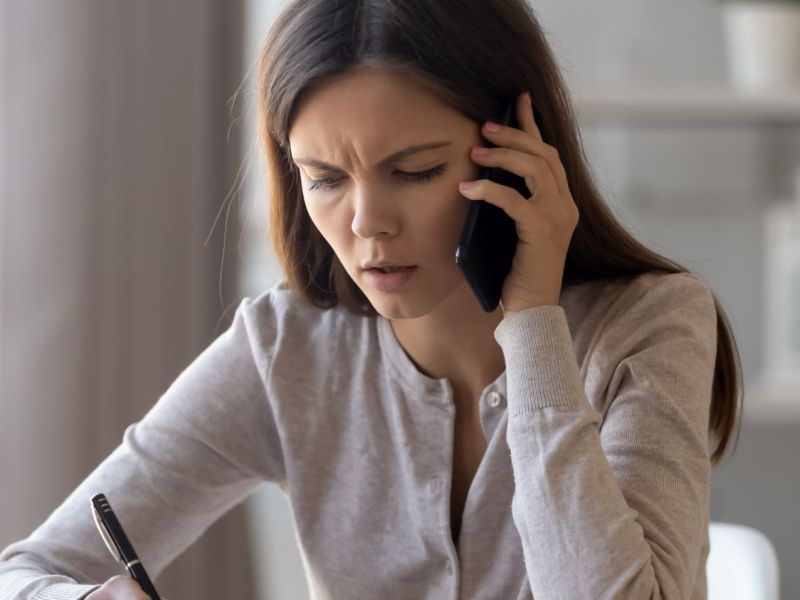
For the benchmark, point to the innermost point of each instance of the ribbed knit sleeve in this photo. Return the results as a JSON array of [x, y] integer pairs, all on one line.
[[201, 449], [612, 502]]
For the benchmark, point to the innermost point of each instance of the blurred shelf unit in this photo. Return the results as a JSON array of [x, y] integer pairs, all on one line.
[[652, 105], [764, 399]]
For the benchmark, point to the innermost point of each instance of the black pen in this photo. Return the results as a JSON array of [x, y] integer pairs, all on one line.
[[119, 545]]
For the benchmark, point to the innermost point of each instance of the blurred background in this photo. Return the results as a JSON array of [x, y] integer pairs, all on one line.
[[133, 211]]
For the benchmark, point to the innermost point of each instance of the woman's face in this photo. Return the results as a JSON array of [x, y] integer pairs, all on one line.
[[406, 211]]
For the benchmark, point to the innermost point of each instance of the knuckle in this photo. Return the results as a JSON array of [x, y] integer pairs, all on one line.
[[539, 166], [540, 163]]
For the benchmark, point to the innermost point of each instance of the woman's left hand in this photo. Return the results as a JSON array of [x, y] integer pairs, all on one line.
[[545, 222]]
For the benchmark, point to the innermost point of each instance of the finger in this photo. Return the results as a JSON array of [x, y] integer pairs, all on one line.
[[535, 170], [529, 120], [525, 117], [497, 194], [527, 141]]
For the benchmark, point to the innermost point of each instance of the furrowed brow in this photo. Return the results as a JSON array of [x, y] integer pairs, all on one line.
[[312, 162]]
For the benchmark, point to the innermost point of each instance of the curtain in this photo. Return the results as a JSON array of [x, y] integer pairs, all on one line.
[[117, 152]]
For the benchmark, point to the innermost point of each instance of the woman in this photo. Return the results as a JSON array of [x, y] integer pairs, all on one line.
[[557, 447]]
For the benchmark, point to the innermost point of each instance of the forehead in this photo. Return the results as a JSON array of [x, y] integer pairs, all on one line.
[[369, 109]]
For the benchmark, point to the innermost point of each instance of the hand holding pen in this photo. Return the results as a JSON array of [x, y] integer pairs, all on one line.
[[138, 586]]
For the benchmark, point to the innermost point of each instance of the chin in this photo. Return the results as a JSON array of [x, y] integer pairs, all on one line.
[[397, 308], [412, 304], [406, 304]]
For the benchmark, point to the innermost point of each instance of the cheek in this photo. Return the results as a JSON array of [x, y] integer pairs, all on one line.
[[440, 223], [326, 220], [436, 233]]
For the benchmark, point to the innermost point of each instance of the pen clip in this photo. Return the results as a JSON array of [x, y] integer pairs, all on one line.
[[104, 533]]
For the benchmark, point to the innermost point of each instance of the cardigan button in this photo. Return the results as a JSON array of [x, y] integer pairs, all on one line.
[[495, 399], [435, 486]]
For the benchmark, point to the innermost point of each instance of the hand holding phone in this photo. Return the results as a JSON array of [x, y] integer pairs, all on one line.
[[489, 238]]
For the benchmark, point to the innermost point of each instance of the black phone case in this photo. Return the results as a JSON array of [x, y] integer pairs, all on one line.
[[489, 238]]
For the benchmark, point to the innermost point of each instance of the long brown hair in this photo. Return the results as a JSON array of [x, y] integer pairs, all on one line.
[[475, 55]]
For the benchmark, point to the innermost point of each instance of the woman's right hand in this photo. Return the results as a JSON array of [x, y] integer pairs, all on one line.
[[119, 587]]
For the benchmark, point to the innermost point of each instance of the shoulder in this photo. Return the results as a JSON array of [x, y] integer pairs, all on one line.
[[658, 298], [277, 307], [279, 316], [640, 329], [633, 299], [668, 290], [625, 314]]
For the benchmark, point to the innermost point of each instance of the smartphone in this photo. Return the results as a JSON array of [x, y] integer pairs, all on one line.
[[489, 238]]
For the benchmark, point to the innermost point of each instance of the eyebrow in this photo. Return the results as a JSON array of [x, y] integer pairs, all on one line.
[[312, 162]]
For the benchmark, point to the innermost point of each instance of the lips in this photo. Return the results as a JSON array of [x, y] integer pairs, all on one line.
[[389, 278], [388, 269], [386, 266]]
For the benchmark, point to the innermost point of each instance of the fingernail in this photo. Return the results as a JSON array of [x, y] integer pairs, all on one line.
[[465, 185], [479, 151], [493, 127], [528, 97]]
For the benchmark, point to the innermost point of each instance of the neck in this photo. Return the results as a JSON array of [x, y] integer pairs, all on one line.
[[456, 342]]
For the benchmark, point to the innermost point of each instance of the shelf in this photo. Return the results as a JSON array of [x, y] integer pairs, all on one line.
[[682, 106], [764, 399]]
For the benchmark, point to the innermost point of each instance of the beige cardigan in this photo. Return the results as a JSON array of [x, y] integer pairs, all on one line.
[[594, 483]]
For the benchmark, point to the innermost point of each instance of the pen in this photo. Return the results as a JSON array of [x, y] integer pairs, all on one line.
[[119, 545]]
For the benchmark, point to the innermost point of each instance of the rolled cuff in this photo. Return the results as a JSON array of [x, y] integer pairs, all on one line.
[[541, 368]]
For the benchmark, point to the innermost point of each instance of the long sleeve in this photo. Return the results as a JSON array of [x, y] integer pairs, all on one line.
[[200, 450], [611, 496]]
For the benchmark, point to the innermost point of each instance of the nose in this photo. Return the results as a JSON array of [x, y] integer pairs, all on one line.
[[373, 215]]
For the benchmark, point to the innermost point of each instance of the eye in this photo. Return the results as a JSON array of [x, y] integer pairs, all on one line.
[[329, 183]]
